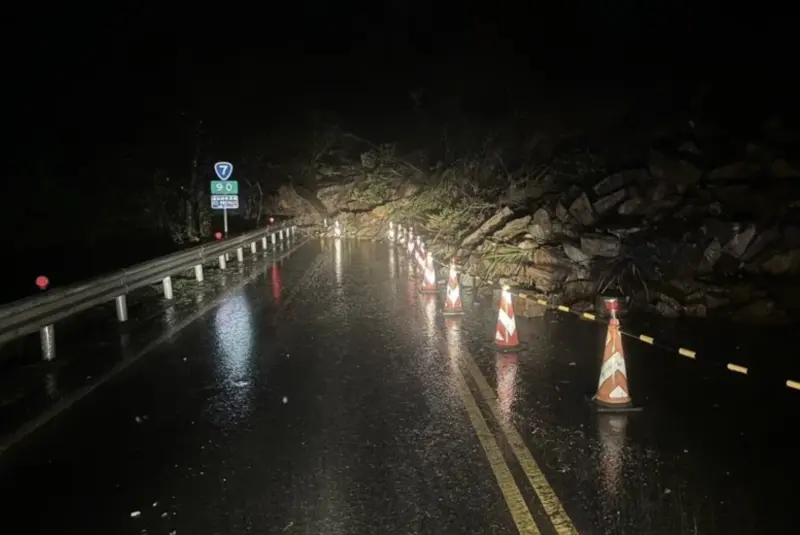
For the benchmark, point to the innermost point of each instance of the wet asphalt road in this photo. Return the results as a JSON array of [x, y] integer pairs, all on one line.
[[329, 396]]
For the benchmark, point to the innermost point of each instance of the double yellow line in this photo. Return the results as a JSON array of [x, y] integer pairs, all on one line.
[[517, 506]]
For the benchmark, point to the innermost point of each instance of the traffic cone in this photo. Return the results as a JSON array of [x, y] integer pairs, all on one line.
[[452, 304], [612, 387], [506, 337], [428, 284]]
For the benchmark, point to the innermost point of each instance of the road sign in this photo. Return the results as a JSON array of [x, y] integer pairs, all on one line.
[[224, 170], [224, 202], [224, 187]]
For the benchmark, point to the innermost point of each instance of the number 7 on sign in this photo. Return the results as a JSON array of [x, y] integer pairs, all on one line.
[[224, 170]]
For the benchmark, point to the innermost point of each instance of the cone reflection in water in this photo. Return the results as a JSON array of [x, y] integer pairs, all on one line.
[[429, 302], [276, 283], [392, 263], [506, 365], [337, 261], [452, 303], [410, 247], [506, 337], [337, 230], [611, 428], [612, 387], [411, 290], [452, 326]]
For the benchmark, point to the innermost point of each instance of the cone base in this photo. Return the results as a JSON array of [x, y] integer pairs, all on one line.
[[602, 406], [507, 349], [453, 312]]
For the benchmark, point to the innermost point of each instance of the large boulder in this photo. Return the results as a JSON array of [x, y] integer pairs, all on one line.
[[547, 279], [490, 225], [512, 229], [582, 210], [541, 227], [600, 245]]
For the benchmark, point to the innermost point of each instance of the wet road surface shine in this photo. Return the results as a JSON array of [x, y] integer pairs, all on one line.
[[332, 413], [329, 396]]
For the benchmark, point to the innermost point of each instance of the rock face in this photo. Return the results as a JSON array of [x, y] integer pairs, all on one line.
[[679, 233]]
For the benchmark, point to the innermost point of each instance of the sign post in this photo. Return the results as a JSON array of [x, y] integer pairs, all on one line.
[[224, 192]]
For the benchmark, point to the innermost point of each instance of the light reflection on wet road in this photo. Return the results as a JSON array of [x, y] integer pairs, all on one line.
[[331, 397]]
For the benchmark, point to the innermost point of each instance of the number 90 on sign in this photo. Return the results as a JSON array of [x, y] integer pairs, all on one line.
[[224, 187]]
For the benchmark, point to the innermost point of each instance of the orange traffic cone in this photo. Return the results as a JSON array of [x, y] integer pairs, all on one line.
[[612, 388], [428, 285], [506, 337], [452, 304]]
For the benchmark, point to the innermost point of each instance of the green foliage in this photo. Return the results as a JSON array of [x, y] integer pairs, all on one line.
[[375, 189], [447, 208]]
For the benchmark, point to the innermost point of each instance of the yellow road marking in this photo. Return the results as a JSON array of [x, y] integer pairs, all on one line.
[[550, 502], [647, 339], [687, 352], [508, 487], [562, 308], [589, 316], [793, 384], [738, 369]]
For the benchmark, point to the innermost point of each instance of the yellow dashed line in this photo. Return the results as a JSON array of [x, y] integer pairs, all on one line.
[[588, 316], [793, 384], [738, 369], [550, 502], [541, 302], [687, 352], [508, 487], [647, 339], [562, 308]]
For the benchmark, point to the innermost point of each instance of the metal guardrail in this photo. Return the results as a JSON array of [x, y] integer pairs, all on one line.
[[40, 313]]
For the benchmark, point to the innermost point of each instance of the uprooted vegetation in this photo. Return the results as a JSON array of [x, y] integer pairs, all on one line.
[[681, 223]]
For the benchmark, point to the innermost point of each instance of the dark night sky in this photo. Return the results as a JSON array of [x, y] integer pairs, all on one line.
[[95, 88]]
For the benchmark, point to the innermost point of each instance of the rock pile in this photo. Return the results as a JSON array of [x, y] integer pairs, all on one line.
[[680, 234]]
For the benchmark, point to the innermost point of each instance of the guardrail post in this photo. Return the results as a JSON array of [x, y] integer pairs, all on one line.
[[222, 261], [48, 337], [240, 254], [167, 282], [253, 248], [198, 272], [121, 305]]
